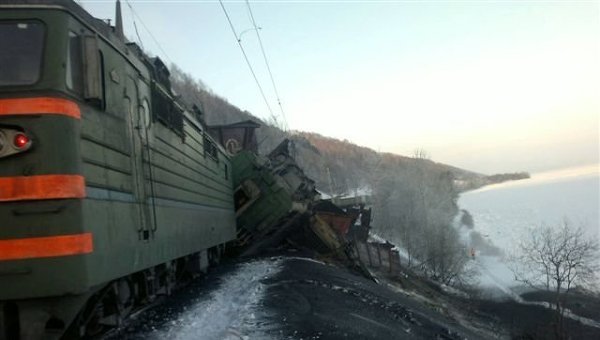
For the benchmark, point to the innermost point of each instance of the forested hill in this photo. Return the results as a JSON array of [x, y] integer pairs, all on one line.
[[354, 167], [337, 166]]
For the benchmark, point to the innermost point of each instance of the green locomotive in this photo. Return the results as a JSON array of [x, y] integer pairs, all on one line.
[[109, 188]]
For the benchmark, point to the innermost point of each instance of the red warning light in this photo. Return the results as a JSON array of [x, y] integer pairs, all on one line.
[[21, 140]]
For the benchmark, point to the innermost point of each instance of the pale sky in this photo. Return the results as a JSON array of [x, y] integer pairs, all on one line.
[[487, 86]]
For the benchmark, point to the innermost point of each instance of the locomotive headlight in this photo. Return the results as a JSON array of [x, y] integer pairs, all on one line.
[[21, 141], [13, 141]]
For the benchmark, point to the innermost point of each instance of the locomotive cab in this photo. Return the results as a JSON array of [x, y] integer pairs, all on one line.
[[46, 50], [41, 182], [43, 241]]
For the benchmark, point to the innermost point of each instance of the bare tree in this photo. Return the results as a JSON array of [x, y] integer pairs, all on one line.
[[421, 154], [557, 260]]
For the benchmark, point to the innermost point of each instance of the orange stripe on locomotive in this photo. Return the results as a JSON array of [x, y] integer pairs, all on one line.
[[38, 106], [51, 246], [42, 187]]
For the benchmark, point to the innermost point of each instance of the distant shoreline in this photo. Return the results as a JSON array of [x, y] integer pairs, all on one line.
[[479, 182], [539, 177]]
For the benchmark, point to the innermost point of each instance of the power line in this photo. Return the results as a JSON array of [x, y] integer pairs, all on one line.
[[239, 41], [256, 29], [147, 30], [136, 30]]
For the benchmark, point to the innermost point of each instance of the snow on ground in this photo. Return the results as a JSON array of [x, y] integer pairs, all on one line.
[[232, 311]]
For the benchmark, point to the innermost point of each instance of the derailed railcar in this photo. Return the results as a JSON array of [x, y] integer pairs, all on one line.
[[274, 202], [109, 189], [268, 190], [277, 207]]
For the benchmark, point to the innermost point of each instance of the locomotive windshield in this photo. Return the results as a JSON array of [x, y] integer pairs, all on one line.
[[21, 45]]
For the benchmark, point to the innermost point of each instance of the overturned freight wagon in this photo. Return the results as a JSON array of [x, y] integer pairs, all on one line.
[[277, 206], [272, 193]]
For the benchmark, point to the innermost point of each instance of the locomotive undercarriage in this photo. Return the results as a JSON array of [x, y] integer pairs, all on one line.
[[92, 314]]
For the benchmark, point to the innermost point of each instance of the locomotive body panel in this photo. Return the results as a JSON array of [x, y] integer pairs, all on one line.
[[118, 190]]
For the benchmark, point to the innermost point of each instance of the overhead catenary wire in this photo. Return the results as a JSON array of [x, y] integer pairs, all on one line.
[[138, 34], [135, 14], [239, 41], [256, 29]]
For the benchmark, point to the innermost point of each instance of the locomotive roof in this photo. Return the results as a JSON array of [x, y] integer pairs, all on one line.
[[70, 6], [105, 30]]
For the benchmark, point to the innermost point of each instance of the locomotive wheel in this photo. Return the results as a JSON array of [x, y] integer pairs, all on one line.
[[124, 297], [92, 327], [107, 309]]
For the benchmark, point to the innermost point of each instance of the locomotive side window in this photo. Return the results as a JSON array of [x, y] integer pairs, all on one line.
[[165, 111], [94, 86], [145, 113], [210, 149], [102, 81], [74, 63], [21, 53]]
